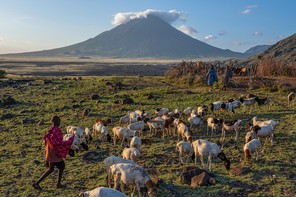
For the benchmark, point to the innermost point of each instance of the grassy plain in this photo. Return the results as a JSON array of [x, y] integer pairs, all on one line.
[[22, 148]]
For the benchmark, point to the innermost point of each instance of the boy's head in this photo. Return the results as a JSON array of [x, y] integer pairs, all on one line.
[[56, 121]]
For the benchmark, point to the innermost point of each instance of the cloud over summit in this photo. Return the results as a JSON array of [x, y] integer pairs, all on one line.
[[168, 16]]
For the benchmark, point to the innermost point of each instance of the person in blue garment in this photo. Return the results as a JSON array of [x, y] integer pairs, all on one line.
[[211, 77]]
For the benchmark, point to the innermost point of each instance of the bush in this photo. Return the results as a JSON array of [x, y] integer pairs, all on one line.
[[2, 73]]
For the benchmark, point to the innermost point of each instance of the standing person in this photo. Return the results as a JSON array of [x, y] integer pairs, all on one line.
[[227, 77], [212, 77], [56, 150]]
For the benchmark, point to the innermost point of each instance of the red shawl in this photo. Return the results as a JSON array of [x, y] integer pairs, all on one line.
[[54, 138]]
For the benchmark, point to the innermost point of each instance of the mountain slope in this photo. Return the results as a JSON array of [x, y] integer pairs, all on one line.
[[148, 37], [256, 50]]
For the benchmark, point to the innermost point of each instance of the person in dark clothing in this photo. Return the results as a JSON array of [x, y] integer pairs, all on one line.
[[226, 78], [211, 77]]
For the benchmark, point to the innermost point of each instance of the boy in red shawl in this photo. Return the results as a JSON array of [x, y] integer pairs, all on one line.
[[56, 150]]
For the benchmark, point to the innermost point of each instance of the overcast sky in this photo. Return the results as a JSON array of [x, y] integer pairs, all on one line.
[[32, 25]]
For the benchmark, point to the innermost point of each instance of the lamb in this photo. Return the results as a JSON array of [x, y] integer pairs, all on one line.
[[291, 99], [102, 192], [131, 154], [213, 123], [100, 130], [230, 126], [248, 102], [185, 149], [123, 133], [203, 147], [264, 131], [109, 161], [272, 123], [136, 143], [250, 147], [183, 131], [76, 144], [129, 174], [161, 111]]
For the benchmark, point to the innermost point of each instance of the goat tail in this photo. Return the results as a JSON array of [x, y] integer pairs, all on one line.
[[247, 154]]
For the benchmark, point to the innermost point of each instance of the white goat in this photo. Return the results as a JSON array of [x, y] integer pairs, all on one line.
[[195, 122], [250, 136], [123, 134], [102, 192], [272, 123], [129, 174], [161, 111], [264, 131], [291, 99], [202, 110], [136, 143], [109, 161], [203, 148], [139, 126], [217, 106], [79, 132], [183, 131], [250, 147], [155, 125], [231, 126], [101, 130], [187, 111], [77, 142], [185, 149], [131, 154]]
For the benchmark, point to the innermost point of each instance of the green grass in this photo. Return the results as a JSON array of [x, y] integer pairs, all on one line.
[[22, 148]]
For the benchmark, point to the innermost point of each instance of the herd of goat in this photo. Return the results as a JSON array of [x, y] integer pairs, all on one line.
[[124, 170]]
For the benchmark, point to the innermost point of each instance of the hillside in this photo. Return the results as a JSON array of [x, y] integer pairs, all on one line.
[[148, 37], [256, 50]]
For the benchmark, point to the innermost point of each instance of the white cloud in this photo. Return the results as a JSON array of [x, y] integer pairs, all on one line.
[[209, 37], [257, 33], [188, 30], [1, 39], [249, 9], [169, 17]]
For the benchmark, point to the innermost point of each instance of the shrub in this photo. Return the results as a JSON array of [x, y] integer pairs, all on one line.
[[2, 73]]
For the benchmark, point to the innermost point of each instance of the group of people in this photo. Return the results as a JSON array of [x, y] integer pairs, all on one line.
[[212, 77]]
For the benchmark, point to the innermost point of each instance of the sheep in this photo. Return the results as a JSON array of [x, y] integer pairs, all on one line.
[[272, 123], [129, 174], [184, 148], [139, 126], [263, 101], [250, 147], [248, 102], [195, 121], [291, 99], [102, 192], [79, 132], [109, 161], [100, 130], [131, 154], [231, 126], [203, 147], [155, 125], [183, 131], [123, 133], [77, 142], [161, 111], [202, 110], [136, 143], [213, 123], [264, 131]]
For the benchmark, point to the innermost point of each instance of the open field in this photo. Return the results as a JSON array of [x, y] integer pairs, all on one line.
[[38, 98]]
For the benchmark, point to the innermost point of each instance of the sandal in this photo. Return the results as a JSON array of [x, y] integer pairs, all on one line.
[[37, 186]]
